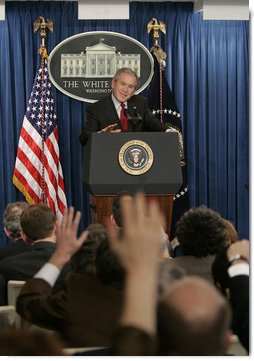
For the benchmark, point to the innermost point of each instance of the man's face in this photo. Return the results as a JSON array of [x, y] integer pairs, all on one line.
[[124, 87]]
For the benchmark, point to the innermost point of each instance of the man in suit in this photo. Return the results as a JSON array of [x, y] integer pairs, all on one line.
[[105, 115], [12, 228], [38, 224], [231, 276], [86, 310]]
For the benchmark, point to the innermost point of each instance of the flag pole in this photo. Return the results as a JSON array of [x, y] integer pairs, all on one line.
[[42, 25], [158, 52], [160, 55]]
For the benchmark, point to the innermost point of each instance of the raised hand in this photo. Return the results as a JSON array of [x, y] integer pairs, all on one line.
[[66, 239], [140, 241]]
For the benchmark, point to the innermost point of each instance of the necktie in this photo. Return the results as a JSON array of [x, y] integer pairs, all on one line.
[[123, 118]]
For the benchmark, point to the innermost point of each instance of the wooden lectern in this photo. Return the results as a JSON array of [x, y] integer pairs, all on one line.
[[110, 167]]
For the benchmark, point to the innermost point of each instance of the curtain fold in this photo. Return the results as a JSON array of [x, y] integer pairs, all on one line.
[[207, 70]]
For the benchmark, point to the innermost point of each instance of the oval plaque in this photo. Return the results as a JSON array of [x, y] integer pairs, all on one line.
[[83, 65]]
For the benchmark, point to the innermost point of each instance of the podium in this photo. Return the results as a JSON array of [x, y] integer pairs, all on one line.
[[116, 162]]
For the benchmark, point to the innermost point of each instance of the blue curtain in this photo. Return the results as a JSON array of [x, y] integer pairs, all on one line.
[[207, 70]]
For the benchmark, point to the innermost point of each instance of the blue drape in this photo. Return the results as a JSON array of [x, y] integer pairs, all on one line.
[[207, 70]]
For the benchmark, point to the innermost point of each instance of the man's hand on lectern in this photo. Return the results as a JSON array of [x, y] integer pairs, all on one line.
[[110, 128]]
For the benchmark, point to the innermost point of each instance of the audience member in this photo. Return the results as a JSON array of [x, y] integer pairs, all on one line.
[[116, 216], [29, 343], [193, 320], [12, 228], [83, 261], [198, 305], [38, 225], [85, 312], [231, 275], [201, 233]]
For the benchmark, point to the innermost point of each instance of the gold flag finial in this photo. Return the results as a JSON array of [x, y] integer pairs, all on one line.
[[156, 49], [40, 23], [155, 26]]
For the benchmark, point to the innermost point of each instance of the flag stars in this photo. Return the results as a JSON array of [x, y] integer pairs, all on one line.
[[38, 123], [34, 108]]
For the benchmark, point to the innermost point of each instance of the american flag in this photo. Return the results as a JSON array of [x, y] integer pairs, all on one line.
[[38, 172]]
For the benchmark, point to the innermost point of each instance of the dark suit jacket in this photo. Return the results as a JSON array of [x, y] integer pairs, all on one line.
[[103, 113], [239, 299], [24, 266], [15, 247], [85, 312]]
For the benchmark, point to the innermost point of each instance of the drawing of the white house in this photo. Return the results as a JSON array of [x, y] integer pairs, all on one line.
[[100, 61]]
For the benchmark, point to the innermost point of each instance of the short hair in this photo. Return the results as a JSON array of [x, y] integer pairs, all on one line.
[[109, 270], [116, 207], [11, 218], [202, 336], [83, 261], [37, 222], [232, 232], [201, 232], [125, 71]]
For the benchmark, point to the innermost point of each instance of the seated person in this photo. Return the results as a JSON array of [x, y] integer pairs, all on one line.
[[231, 276], [85, 312], [202, 233], [12, 228], [38, 228]]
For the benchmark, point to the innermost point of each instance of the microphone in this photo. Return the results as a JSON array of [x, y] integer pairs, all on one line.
[[137, 114], [127, 114]]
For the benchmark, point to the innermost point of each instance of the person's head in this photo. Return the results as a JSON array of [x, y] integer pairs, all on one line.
[[193, 319], [201, 232], [38, 222], [11, 219], [108, 269], [116, 216], [124, 84], [232, 233], [83, 261]]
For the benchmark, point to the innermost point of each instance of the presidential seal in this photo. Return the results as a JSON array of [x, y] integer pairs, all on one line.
[[135, 157]]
